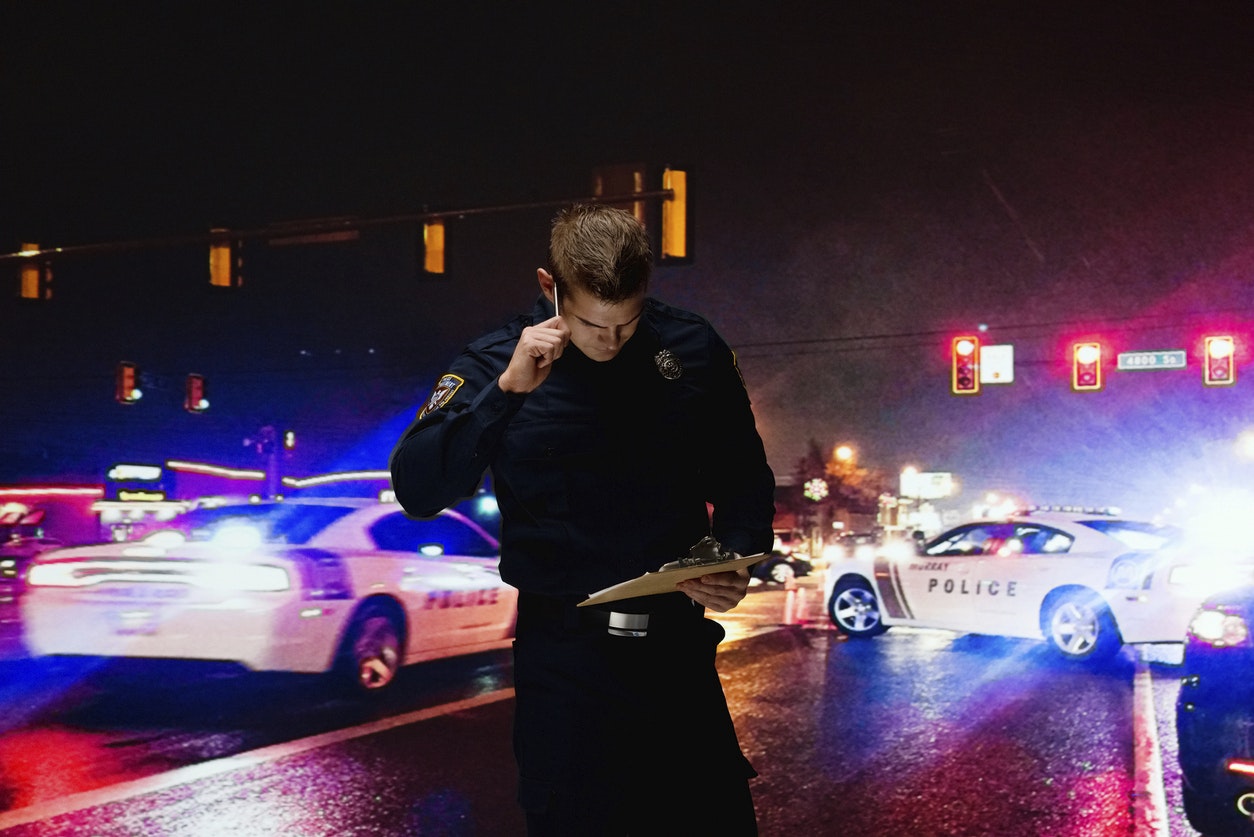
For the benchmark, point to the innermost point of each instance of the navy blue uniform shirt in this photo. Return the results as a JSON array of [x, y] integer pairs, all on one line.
[[604, 471]]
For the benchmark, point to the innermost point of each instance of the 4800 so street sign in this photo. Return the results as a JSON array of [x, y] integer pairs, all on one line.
[[1171, 359]]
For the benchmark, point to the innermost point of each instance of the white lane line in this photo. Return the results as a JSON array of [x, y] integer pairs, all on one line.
[[191, 773], [1149, 801]]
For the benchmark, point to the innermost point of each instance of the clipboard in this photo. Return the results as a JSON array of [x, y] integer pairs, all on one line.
[[665, 579]]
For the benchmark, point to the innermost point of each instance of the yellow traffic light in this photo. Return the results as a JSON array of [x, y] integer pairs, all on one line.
[[675, 215], [35, 275], [225, 260], [433, 245], [623, 179]]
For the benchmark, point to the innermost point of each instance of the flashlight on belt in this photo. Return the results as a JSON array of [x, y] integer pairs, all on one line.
[[628, 624]]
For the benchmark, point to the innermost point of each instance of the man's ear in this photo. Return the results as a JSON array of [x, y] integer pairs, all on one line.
[[548, 285]]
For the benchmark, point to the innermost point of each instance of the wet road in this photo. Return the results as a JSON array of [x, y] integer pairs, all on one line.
[[912, 733]]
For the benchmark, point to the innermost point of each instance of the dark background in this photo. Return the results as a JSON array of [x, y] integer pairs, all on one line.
[[868, 179]]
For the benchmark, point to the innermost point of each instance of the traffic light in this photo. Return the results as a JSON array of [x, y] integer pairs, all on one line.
[[966, 366], [433, 245], [226, 261], [1086, 367], [194, 398], [126, 387], [675, 216], [624, 179], [35, 276], [1219, 366], [289, 439]]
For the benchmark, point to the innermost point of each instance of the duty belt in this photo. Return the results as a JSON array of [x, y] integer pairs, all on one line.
[[663, 611]]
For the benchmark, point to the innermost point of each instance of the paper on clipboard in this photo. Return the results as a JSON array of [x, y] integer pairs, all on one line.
[[665, 579]]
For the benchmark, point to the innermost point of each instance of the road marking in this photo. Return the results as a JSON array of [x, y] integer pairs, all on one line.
[[195, 772], [1149, 802]]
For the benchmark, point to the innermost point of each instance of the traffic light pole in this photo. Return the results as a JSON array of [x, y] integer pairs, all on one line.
[[315, 228]]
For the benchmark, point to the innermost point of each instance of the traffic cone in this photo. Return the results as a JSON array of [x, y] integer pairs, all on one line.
[[803, 606], [790, 601]]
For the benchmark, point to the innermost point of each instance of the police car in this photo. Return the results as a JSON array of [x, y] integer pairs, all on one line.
[[1085, 582], [348, 586]]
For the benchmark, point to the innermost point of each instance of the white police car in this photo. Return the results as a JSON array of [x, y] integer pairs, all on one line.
[[348, 586], [1085, 582]]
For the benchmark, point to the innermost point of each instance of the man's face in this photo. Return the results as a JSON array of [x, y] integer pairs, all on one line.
[[600, 329]]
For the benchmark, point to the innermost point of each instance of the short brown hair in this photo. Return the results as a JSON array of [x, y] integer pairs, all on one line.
[[601, 249]]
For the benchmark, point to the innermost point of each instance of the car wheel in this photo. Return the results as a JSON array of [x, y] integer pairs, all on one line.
[[1080, 627], [1213, 815], [854, 609], [782, 572], [371, 656]]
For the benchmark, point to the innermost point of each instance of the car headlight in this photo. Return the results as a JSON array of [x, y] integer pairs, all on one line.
[[51, 575], [1220, 629]]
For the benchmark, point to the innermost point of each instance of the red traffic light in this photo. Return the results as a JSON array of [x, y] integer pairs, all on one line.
[[194, 399], [965, 356], [1086, 367], [126, 383], [1219, 364]]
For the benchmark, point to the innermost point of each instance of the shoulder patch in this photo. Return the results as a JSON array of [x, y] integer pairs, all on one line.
[[441, 394]]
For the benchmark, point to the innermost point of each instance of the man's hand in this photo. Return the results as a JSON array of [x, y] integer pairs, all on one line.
[[719, 592], [538, 346]]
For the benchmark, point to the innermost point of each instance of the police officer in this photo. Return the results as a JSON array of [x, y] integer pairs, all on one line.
[[609, 421]]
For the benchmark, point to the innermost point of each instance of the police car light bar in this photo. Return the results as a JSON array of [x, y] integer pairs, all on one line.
[[1109, 511]]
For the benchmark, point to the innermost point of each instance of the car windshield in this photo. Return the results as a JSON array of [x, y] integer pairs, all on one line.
[[291, 524], [1133, 534]]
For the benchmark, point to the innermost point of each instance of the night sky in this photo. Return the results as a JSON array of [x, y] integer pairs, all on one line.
[[868, 180]]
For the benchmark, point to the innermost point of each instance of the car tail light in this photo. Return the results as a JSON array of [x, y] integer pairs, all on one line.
[[1244, 766]]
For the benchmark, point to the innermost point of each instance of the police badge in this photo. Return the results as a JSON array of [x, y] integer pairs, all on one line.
[[668, 365], [442, 393]]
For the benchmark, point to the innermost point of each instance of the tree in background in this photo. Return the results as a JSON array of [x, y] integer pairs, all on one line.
[[830, 486]]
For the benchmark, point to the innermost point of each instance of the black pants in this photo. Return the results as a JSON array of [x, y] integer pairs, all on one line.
[[625, 735]]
